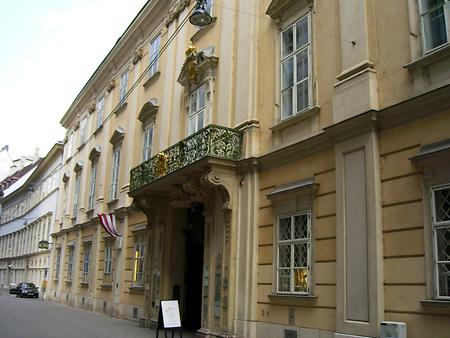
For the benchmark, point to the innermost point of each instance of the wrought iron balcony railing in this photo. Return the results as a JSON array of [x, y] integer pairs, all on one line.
[[211, 141]]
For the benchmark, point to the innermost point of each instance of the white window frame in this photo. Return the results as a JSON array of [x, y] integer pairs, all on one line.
[[147, 142], [83, 130], [423, 13], [92, 184], [293, 55], [194, 123], [76, 194], [108, 262], [209, 7], [70, 262], [436, 226], [154, 48], [86, 262], [138, 260], [123, 86], [291, 242], [100, 111], [115, 173]]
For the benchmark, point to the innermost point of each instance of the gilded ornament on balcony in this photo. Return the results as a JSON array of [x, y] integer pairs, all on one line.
[[192, 63], [161, 164]]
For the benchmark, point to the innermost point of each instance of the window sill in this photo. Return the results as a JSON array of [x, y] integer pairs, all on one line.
[[293, 299], [435, 303], [295, 119], [121, 108], [430, 58], [84, 284], [106, 287], [151, 79], [112, 202], [137, 290], [202, 31]]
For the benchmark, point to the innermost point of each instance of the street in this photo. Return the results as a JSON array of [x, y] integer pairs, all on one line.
[[35, 318]]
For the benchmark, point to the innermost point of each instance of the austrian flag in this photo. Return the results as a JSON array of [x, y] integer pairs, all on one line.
[[108, 221]]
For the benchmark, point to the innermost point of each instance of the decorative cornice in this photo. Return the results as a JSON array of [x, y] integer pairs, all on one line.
[[137, 55], [148, 110], [197, 66], [277, 8], [111, 85], [117, 136], [175, 11], [78, 166], [95, 153]]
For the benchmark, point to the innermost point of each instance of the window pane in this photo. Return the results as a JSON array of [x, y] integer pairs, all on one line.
[[201, 96], [192, 125], [284, 256], [193, 105], [302, 32], [301, 226], [301, 255], [302, 65], [302, 96], [286, 103], [200, 120], [284, 229], [429, 4], [444, 280], [301, 280], [442, 205], [287, 42], [434, 27], [287, 73], [284, 280], [443, 244]]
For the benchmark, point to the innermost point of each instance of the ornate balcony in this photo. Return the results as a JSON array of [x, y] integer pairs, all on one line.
[[211, 141]]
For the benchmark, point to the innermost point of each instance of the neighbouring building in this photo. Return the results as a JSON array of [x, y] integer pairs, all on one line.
[[282, 172], [28, 198]]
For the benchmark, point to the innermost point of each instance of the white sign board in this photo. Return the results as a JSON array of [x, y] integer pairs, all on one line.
[[170, 313]]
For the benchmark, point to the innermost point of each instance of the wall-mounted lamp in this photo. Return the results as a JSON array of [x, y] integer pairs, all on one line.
[[200, 17]]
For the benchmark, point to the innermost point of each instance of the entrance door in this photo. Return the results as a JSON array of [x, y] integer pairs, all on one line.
[[194, 234]]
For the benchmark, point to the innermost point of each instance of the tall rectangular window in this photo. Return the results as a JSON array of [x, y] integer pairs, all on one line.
[[100, 111], [107, 274], [197, 103], [86, 263], [123, 87], [57, 263], [76, 194], [293, 253], [153, 56], [441, 237], [115, 174], [83, 130], [148, 141], [69, 146], [70, 257], [92, 183], [295, 68], [138, 261], [435, 17]]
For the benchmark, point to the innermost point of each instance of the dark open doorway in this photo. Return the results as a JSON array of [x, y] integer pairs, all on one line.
[[194, 234]]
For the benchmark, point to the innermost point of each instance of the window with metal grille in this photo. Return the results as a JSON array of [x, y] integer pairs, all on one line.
[[107, 274], [440, 197], [296, 68], [138, 261], [70, 257], [293, 270], [86, 263]]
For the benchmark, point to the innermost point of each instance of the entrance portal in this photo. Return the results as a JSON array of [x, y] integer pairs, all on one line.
[[194, 234]]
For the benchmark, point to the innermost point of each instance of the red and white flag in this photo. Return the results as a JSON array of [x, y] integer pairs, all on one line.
[[108, 221]]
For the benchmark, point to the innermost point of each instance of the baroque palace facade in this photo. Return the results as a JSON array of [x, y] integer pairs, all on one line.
[[282, 172]]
